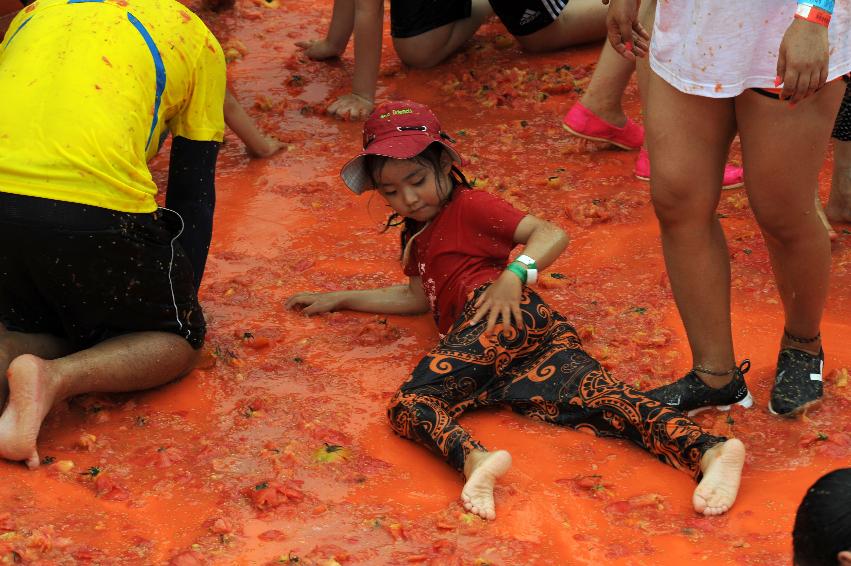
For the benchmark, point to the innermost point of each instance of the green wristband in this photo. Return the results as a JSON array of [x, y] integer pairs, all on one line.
[[518, 269]]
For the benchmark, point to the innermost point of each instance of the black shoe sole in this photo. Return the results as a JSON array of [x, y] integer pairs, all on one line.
[[794, 413]]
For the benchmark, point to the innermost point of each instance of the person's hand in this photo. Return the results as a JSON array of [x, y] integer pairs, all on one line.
[[352, 107], [626, 34], [314, 303], [269, 146], [500, 300], [802, 64], [319, 49]]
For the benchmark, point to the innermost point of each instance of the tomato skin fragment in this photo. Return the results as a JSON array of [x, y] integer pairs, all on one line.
[[273, 535], [106, 487], [188, 558], [221, 526], [272, 494]]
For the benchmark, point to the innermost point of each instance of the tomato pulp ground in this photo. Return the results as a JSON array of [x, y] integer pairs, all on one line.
[[277, 449]]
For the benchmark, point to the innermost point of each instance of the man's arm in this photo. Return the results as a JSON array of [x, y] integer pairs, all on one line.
[[192, 194]]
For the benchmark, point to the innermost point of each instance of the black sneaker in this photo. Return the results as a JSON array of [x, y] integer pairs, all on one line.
[[798, 382], [690, 395]]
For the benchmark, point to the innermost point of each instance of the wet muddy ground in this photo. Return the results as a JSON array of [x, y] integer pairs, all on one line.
[[277, 451]]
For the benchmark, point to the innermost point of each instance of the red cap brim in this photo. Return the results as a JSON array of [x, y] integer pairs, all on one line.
[[357, 178]]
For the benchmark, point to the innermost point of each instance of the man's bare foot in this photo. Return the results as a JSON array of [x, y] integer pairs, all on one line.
[[30, 398], [482, 470], [722, 471]]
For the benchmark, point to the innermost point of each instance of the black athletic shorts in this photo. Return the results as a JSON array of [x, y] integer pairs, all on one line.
[[409, 18], [842, 126], [525, 17], [87, 274]]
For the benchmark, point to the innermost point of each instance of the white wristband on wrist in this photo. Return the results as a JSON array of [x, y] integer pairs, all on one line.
[[531, 269]]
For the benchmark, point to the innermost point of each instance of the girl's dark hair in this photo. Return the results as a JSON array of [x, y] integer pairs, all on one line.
[[823, 522], [429, 157]]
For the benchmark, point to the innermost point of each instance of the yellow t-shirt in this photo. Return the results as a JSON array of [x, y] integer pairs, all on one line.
[[89, 88]]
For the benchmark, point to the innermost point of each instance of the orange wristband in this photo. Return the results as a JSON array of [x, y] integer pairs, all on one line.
[[812, 14]]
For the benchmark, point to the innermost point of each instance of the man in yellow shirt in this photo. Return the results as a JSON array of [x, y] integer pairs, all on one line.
[[98, 285]]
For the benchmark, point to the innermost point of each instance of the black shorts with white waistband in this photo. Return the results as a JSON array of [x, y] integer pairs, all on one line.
[[86, 274], [527, 16]]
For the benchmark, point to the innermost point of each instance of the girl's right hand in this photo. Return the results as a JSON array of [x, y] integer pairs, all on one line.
[[314, 303]]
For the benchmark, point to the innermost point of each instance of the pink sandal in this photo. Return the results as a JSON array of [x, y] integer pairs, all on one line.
[[734, 176], [583, 123]]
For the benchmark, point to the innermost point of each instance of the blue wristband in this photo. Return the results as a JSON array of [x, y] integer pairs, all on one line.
[[826, 5]]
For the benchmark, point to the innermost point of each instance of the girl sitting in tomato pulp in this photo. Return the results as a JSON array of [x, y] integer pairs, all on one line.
[[501, 343]]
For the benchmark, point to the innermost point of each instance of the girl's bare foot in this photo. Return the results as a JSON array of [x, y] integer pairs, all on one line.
[[482, 470], [30, 399], [722, 471]]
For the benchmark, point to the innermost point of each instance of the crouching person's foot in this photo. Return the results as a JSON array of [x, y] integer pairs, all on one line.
[[31, 395], [722, 472], [482, 469]]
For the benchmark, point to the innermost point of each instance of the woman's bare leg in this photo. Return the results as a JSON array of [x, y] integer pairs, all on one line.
[[688, 138], [646, 17], [782, 176]]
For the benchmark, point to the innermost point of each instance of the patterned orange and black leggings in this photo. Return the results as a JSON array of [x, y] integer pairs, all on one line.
[[541, 371]]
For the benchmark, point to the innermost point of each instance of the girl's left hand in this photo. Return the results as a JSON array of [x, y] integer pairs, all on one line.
[[802, 64], [501, 299]]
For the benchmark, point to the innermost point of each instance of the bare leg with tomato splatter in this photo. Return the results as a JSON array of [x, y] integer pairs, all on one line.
[[126, 363], [482, 469]]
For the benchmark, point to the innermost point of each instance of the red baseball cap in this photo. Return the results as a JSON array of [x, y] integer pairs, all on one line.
[[399, 130]]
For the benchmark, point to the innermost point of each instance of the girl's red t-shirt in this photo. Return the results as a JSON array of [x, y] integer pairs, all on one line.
[[466, 245]]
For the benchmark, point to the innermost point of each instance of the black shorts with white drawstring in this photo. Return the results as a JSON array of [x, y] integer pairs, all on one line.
[[86, 274]]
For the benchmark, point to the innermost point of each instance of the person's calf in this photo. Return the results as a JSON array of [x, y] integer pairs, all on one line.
[[838, 207]]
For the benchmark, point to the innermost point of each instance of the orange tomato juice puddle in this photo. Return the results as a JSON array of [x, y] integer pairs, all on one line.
[[278, 451]]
